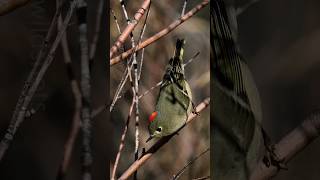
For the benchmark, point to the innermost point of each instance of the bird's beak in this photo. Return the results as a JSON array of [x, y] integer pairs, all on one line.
[[150, 137]]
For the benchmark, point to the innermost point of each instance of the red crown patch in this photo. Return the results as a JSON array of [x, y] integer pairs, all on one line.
[[153, 116]]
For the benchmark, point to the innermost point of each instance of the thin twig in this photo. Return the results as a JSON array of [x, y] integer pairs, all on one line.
[[160, 34], [33, 81], [179, 173], [68, 146], [290, 145], [115, 20], [121, 146], [147, 155], [202, 178], [184, 7], [93, 45], [121, 39]]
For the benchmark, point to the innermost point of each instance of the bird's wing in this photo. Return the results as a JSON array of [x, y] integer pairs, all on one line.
[[236, 104]]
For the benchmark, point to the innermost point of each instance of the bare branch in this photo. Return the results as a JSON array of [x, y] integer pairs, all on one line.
[[33, 81], [129, 28], [147, 155], [160, 34], [177, 175], [93, 45], [68, 146], [121, 146], [290, 145], [7, 6]]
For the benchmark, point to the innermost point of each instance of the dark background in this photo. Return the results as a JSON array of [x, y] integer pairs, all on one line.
[[280, 40], [36, 151]]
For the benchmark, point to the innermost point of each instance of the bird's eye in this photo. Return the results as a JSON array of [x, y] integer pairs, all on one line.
[[159, 129]]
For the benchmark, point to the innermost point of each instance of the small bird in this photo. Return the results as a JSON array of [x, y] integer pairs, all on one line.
[[174, 102]]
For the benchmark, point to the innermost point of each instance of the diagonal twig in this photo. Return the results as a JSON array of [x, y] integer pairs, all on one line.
[[179, 173], [290, 145]]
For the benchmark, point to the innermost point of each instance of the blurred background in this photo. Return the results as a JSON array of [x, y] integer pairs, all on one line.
[[194, 138], [36, 151], [280, 40]]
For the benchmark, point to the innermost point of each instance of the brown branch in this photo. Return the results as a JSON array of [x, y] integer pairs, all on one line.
[[33, 81], [160, 34], [180, 172], [147, 155], [68, 146], [7, 6], [290, 145], [130, 27], [93, 45], [121, 146]]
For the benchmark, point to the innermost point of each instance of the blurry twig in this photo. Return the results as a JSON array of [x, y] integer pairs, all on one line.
[[129, 28], [35, 78], [115, 20], [6, 6], [160, 34], [202, 178], [290, 145], [176, 176], [145, 156], [68, 146], [93, 45], [243, 8], [184, 7]]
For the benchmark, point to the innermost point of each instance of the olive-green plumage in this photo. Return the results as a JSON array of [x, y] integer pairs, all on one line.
[[174, 102], [236, 105]]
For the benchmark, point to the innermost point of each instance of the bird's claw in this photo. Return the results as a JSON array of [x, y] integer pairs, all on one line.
[[272, 159]]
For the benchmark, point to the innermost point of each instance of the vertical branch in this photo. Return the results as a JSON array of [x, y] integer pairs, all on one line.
[[93, 45], [121, 146], [34, 80], [86, 91], [68, 146]]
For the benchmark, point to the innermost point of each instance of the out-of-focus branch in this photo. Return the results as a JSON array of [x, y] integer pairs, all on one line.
[[85, 86], [243, 8], [7, 6], [179, 173], [160, 34], [34, 79], [290, 145], [93, 45], [121, 39], [147, 155], [75, 126]]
